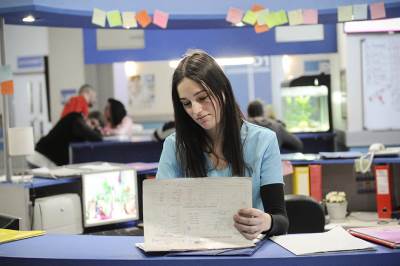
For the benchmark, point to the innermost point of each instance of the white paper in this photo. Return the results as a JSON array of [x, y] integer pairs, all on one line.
[[336, 239], [194, 213], [56, 172]]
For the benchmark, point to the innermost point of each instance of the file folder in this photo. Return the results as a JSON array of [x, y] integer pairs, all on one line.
[[383, 191], [316, 181], [301, 181]]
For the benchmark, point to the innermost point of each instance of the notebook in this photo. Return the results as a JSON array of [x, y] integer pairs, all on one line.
[[385, 235], [8, 235]]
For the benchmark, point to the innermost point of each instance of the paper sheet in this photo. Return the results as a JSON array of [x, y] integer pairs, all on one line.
[[336, 239], [194, 213]]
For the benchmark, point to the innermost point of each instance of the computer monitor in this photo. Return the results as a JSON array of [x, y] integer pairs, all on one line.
[[109, 197]]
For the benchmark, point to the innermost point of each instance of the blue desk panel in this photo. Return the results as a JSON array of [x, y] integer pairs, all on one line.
[[120, 250]]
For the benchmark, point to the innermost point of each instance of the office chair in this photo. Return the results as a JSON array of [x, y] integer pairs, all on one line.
[[305, 214], [9, 222]]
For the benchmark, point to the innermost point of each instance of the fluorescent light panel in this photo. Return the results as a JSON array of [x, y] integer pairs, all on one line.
[[381, 25]]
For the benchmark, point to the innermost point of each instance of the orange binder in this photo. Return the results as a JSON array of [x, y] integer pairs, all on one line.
[[316, 181], [383, 191]]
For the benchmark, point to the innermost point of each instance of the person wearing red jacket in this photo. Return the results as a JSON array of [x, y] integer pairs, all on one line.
[[81, 102]]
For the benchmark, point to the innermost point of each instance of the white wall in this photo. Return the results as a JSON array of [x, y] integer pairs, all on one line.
[[66, 64]]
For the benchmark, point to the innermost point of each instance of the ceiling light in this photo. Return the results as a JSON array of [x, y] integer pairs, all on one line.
[[29, 19]]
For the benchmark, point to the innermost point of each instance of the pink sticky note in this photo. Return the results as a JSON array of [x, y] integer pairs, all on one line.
[[310, 16], [234, 15], [160, 18], [377, 10]]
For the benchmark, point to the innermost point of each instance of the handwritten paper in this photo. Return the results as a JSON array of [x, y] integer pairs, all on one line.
[[377, 10], [310, 16], [250, 18], [99, 17], [360, 12], [143, 18], [295, 17], [194, 213], [345, 13], [114, 18], [234, 15], [160, 19], [129, 20]]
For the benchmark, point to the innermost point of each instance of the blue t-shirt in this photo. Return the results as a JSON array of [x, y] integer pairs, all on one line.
[[261, 155]]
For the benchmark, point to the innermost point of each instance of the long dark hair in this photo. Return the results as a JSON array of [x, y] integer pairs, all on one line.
[[191, 140]]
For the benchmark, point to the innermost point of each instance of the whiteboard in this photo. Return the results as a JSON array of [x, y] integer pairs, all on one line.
[[381, 82]]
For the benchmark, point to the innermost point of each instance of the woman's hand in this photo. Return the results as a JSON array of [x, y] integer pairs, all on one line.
[[251, 222]]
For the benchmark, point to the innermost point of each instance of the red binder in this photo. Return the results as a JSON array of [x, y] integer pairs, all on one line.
[[316, 181], [383, 182]]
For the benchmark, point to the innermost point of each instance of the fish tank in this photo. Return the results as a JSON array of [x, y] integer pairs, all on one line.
[[306, 104]]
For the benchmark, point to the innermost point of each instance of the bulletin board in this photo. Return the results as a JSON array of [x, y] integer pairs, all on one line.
[[381, 82]]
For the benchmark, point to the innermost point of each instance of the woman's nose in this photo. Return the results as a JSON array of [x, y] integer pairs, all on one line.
[[196, 108]]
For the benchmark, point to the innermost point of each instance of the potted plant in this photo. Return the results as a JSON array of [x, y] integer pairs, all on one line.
[[336, 205]]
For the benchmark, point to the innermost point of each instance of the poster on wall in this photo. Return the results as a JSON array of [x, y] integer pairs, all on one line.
[[141, 91]]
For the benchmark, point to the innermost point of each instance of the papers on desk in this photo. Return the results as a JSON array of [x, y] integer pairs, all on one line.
[[7, 235], [340, 155], [385, 235], [334, 240], [298, 156], [194, 213], [75, 169]]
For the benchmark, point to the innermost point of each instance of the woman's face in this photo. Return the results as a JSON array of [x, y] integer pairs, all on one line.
[[199, 105]]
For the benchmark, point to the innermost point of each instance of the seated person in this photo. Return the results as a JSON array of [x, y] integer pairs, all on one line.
[[96, 121], [117, 120], [167, 129], [81, 102], [286, 140], [71, 128]]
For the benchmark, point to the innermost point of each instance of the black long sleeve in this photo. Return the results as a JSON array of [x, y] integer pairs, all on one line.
[[272, 197]]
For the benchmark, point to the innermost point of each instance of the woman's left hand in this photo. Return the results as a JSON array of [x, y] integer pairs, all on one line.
[[251, 222]]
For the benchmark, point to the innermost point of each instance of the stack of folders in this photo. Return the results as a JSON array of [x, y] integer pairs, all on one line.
[[385, 235], [7, 235]]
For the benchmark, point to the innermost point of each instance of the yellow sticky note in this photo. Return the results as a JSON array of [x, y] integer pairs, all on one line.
[[99, 17], [295, 17], [129, 20], [114, 18], [345, 13], [160, 18], [250, 18], [261, 17], [270, 19], [281, 17]]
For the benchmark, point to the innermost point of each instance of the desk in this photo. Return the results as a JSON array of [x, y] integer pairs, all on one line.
[[361, 219], [119, 250]]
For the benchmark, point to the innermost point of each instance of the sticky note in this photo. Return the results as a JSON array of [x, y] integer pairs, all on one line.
[[310, 16], [5, 73], [99, 17], [377, 10], [270, 19], [160, 18], [261, 17], [261, 28], [7, 87], [114, 18], [129, 20], [295, 17], [256, 7], [250, 18], [281, 17], [143, 18], [234, 15], [345, 13], [360, 12]]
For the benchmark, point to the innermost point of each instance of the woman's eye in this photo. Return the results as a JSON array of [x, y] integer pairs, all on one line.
[[203, 98], [186, 104]]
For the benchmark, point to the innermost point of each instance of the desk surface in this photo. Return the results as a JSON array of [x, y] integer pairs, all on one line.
[[121, 250], [379, 160]]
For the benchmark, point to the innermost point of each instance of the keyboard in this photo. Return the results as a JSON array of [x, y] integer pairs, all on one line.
[[130, 231]]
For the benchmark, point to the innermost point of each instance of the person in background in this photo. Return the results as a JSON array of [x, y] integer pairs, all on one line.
[[167, 129], [286, 140], [213, 139], [117, 120], [71, 128], [96, 121], [82, 102]]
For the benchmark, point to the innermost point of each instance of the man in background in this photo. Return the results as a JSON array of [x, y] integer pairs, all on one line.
[[286, 140], [80, 103]]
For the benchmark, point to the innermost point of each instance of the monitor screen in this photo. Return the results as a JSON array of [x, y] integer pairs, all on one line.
[[109, 197]]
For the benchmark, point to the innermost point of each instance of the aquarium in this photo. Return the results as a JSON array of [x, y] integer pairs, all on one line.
[[306, 108]]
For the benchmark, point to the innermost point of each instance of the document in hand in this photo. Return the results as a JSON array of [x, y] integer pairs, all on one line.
[[385, 235], [334, 240], [7, 235], [184, 214]]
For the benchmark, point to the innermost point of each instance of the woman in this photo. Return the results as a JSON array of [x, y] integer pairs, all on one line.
[[212, 139], [117, 121]]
